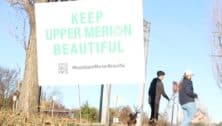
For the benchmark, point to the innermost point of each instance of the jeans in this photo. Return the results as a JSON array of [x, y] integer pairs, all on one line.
[[189, 109]]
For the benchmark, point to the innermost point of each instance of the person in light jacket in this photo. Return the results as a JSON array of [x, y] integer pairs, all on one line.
[[187, 98]]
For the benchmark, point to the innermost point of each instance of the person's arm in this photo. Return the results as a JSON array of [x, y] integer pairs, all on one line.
[[189, 90], [152, 87], [164, 93], [149, 93]]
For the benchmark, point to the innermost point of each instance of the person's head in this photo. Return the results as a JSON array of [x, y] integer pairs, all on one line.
[[175, 87], [188, 74], [160, 75]]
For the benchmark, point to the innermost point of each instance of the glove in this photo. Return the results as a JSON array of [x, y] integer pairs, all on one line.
[[196, 96], [168, 99]]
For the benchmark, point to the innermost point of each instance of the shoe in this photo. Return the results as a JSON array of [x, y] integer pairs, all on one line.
[[155, 122], [151, 121]]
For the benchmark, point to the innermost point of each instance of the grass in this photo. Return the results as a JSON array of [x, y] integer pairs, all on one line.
[[8, 118]]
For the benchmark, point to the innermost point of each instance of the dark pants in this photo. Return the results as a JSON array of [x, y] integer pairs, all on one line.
[[154, 109]]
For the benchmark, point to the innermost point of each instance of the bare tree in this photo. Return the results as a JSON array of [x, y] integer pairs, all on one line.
[[8, 80], [124, 113], [53, 94], [29, 89]]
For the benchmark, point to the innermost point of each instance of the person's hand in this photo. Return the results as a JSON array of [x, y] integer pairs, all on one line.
[[168, 99], [196, 96]]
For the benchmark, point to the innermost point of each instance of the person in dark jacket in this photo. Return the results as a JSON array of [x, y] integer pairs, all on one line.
[[155, 91], [187, 98]]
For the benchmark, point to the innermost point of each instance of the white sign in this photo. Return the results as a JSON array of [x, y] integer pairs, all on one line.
[[90, 42]]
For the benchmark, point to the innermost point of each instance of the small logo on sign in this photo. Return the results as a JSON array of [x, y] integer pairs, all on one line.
[[63, 68]]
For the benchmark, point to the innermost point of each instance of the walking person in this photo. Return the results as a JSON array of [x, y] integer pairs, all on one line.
[[156, 89], [187, 98]]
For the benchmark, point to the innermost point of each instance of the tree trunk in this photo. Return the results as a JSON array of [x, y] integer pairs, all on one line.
[[29, 90]]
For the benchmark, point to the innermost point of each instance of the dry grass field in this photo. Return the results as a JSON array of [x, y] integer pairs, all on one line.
[[8, 118]]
